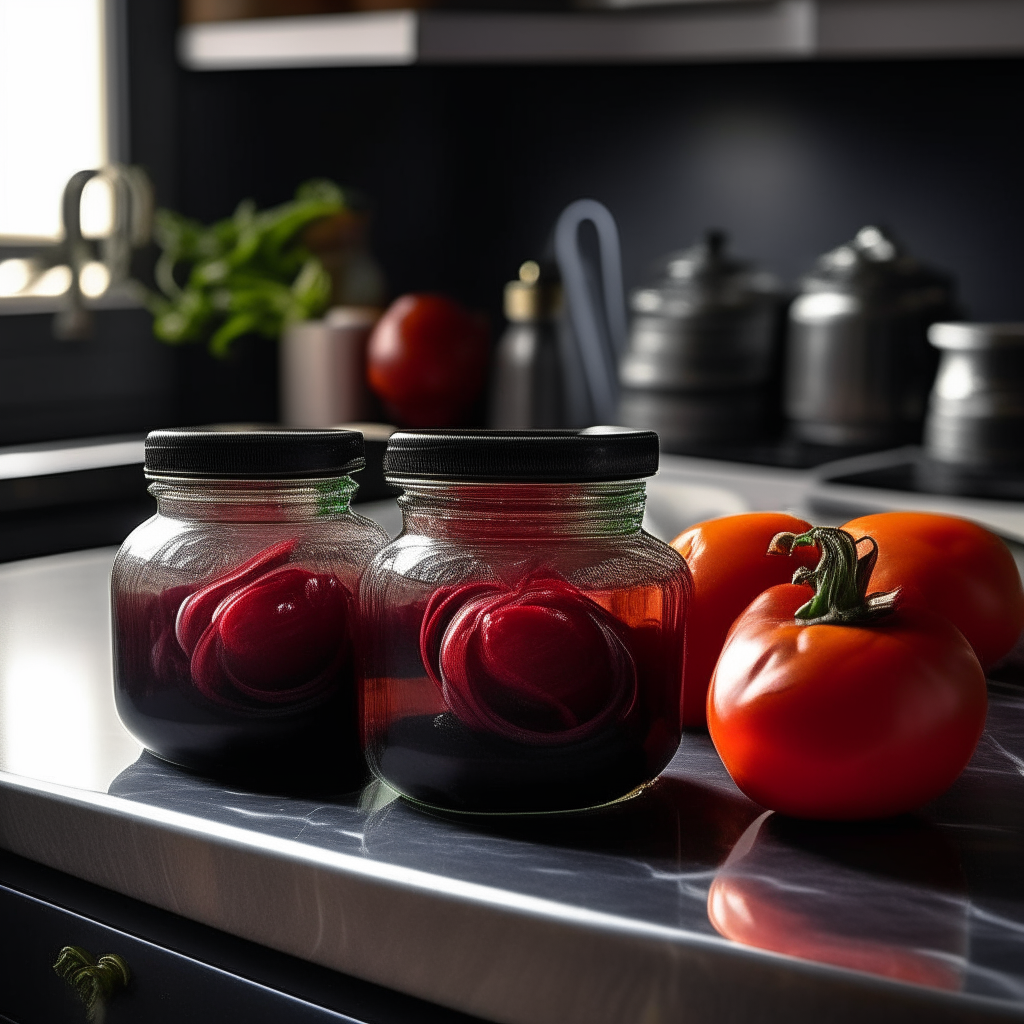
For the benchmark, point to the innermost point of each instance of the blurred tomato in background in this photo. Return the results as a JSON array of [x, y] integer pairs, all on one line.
[[427, 361]]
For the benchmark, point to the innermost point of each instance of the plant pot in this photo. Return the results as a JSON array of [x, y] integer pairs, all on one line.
[[323, 369]]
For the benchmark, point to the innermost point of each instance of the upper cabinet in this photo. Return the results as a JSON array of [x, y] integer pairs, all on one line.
[[619, 32]]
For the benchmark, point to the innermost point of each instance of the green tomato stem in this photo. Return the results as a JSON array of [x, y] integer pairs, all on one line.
[[840, 579]]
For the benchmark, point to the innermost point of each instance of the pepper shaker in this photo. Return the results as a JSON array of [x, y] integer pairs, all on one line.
[[527, 386]]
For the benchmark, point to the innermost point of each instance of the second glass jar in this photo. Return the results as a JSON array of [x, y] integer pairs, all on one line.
[[523, 636]]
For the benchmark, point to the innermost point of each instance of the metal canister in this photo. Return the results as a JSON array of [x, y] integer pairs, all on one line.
[[858, 364], [702, 347], [527, 384], [976, 410]]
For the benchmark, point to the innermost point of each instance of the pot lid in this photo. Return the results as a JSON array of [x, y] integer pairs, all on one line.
[[706, 274], [965, 337], [872, 260]]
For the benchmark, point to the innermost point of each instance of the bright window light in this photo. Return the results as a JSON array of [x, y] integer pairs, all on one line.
[[97, 208], [94, 279], [14, 276], [55, 281], [52, 108]]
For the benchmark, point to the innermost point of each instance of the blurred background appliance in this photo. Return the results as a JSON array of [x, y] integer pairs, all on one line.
[[528, 388], [701, 359], [858, 365]]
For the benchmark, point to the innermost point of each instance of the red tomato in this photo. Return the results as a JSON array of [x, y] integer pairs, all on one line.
[[427, 361], [955, 568], [730, 566], [844, 721]]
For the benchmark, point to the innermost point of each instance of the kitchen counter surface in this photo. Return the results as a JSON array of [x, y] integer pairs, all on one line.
[[608, 916]]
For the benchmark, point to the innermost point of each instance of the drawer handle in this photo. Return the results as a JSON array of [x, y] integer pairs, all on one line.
[[94, 980]]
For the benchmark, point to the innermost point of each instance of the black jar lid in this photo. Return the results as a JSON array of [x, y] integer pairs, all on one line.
[[522, 456], [275, 454]]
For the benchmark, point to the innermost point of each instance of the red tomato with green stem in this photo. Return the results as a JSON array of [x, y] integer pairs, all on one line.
[[953, 567], [730, 564], [837, 704], [427, 361]]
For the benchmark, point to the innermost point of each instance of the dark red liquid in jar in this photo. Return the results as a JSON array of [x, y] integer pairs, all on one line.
[[249, 670], [529, 696]]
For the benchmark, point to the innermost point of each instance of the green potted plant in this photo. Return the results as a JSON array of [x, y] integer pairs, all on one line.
[[266, 272]]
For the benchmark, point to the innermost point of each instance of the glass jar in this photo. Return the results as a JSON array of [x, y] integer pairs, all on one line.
[[523, 636], [234, 606]]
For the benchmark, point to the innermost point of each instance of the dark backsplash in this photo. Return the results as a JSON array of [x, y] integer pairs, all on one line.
[[468, 167]]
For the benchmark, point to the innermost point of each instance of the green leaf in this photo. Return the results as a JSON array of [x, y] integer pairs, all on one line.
[[248, 273], [238, 325]]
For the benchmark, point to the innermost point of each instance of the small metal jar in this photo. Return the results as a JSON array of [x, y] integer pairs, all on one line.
[[702, 349], [976, 410], [235, 606], [523, 636], [858, 365]]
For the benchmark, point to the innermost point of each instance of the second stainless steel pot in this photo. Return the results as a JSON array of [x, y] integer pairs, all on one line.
[[858, 365]]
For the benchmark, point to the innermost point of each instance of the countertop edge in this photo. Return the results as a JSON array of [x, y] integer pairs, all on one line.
[[528, 961]]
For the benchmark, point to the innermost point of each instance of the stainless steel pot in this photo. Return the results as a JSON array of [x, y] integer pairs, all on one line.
[[701, 348], [976, 409], [858, 365]]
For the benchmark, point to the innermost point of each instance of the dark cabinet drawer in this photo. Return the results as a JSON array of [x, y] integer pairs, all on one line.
[[182, 971], [166, 987]]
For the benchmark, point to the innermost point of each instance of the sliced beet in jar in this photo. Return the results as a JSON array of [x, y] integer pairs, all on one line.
[[523, 636], [234, 607]]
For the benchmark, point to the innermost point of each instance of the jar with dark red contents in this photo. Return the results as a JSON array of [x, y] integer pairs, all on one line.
[[523, 636], [235, 606]]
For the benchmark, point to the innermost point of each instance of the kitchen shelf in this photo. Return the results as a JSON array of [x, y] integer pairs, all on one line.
[[712, 31]]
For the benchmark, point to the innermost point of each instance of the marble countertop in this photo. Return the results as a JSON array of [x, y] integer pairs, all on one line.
[[614, 916]]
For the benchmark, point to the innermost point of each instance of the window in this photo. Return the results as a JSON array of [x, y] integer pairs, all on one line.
[[55, 114]]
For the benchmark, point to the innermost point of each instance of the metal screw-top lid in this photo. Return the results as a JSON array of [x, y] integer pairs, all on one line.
[[522, 456], [537, 295], [209, 452]]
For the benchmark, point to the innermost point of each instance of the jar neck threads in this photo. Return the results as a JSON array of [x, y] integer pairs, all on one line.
[[252, 501], [534, 511]]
